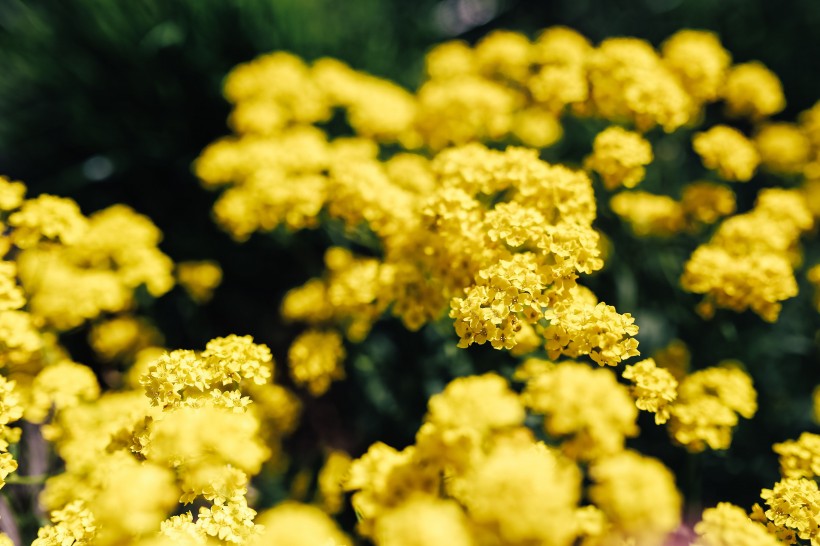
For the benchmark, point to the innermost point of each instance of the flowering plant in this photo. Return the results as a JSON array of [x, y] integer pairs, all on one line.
[[458, 216]]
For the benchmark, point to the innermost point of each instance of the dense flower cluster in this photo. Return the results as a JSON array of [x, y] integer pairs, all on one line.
[[445, 216], [492, 482], [749, 261]]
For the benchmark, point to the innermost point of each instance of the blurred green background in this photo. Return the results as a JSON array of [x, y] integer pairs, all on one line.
[[110, 101]]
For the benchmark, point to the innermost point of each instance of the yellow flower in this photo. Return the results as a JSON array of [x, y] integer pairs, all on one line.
[[619, 156], [727, 151]]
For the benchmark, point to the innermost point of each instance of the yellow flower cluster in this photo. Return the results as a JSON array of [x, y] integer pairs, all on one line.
[[752, 90], [74, 524], [199, 279], [708, 405], [315, 359], [654, 389], [194, 433], [294, 524], [122, 337], [619, 157], [800, 458], [10, 411], [476, 476], [727, 525], [450, 219], [794, 504], [783, 147], [651, 215], [585, 407], [94, 271], [61, 269], [727, 151], [518, 259], [748, 263]]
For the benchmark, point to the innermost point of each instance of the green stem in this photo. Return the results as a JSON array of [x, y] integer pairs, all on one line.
[[16, 479]]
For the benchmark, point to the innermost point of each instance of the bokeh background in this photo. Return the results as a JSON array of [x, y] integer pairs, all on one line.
[[110, 102]]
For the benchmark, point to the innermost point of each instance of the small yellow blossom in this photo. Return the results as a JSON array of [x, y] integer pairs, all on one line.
[[729, 525], [315, 360], [753, 91], [649, 214], [47, 217], [783, 147], [706, 203], [11, 193], [619, 156], [699, 60], [799, 458], [73, 525], [585, 407], [637, 494], [794, 504], [424, 520], [654, 388], [199, 279], [727, 151]]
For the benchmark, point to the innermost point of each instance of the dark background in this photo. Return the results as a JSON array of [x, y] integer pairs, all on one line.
[[110, 102]]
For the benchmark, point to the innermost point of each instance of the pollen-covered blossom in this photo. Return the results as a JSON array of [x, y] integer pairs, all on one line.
[[654, 389], [619, 156], [492, 309], [586, 408], [238, 358], [228, 519], [729, 525], [799, 458], [708, 405], [638, 496], [183, 377], [315, 359], [727, 151], [753, 91]]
